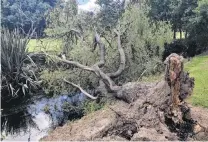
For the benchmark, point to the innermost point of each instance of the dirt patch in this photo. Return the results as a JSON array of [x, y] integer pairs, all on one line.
[[200, 114], [87, 128]]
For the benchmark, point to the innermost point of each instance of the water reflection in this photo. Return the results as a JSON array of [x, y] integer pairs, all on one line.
[[12, 123], [35, 120]]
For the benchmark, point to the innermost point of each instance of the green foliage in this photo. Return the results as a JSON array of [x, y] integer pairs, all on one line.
[[24, 14], [178, 12], [46, 44], [160, 10], [53, 81], [110, 11], [63, 23], [17, 77], [198, 68], [198, 26], [91, 106], [144, 42]]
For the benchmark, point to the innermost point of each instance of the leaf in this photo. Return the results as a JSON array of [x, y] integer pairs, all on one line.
[[23, 89], [12, 89]]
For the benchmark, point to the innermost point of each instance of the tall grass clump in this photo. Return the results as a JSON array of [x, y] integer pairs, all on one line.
[[16, 77]]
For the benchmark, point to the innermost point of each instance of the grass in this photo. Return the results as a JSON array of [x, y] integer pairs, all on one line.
[[178, 35], [198, 68], [45, 44]]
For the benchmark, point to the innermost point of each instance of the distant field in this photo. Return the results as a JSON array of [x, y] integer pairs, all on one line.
[[198, 68], [178, 35], [44, 45]]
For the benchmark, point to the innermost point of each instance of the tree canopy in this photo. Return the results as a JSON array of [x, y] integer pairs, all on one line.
[[25, 14]]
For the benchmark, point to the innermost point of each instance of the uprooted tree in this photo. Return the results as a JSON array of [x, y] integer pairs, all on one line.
[[155, 111], [159, 107]]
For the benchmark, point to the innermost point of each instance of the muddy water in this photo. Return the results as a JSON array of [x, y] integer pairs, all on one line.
[[33, 121]]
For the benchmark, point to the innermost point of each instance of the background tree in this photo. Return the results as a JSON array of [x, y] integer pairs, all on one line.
[[110, 11], [25, 14], [63, 23], [178, 12], [198, 27]]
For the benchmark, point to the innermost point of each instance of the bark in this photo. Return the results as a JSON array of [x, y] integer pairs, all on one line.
[[180, 34], [174, 34]]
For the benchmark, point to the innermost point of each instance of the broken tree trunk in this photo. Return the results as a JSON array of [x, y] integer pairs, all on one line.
[[155, 111]]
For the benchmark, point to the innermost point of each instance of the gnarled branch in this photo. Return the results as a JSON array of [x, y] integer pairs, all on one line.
[[122, 58], [96, 68]]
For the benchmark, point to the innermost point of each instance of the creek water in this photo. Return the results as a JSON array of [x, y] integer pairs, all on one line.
[[33, 121]]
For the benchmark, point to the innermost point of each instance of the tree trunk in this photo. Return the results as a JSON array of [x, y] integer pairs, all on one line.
[[186, 34], [180, 34], [174, 34]]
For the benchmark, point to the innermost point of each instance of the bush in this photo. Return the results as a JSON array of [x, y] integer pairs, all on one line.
[[91, 106], [16, 76], [186, 47], [177, 46]]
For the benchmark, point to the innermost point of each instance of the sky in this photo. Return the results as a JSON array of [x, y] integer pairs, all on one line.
[[88, 5], [81, 2]]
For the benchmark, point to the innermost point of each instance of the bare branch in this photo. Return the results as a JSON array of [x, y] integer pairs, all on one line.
[[80, 88], [122, 57], [77, 64]]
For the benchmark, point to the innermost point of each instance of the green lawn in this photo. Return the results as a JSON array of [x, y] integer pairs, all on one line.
[[178, 35], [198, 68], [44, 45]]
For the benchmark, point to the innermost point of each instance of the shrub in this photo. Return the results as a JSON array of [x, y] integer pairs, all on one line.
[[17, 77], [178, 46]]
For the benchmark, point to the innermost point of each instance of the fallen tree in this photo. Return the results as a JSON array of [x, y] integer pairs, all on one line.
[[155, 111], [106, 79]]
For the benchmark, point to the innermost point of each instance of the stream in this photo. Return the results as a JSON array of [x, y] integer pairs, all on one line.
[[34, 120]]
